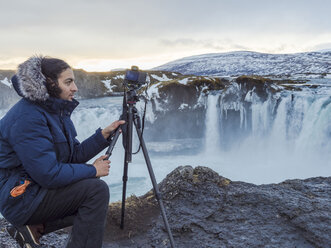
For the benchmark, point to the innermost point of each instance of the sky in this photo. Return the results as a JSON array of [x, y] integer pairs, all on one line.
[[102, 35]]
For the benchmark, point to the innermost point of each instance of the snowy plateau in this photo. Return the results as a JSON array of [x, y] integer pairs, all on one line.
[[309, 64]]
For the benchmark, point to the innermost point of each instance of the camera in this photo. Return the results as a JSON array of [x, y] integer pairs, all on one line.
[[134, 78]]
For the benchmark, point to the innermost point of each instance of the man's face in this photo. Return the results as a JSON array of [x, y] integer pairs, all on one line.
[[67, 84]]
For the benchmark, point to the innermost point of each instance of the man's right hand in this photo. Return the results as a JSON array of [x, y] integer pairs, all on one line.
[[102, 166]]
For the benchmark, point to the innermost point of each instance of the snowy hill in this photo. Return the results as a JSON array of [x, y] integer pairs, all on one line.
[[252, 63]]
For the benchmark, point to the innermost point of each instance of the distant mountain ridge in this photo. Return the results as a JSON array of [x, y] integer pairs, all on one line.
[[252, 63]]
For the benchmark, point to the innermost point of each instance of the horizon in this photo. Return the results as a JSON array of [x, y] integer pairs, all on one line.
[[105, 35], [157, 65]]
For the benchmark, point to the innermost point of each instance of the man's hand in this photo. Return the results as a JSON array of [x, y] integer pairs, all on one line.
[[102, 166], [107, 130]]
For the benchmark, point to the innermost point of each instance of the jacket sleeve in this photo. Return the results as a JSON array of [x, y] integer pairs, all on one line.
[[89, 148], [33, 144]]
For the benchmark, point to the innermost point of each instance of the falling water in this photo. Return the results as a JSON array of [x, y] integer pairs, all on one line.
[[212, 139]]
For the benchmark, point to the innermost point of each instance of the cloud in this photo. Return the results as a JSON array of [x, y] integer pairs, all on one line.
[[322, 47], [208, 44], [124, 29]]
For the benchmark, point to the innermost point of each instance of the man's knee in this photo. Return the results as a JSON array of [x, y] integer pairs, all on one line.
[[101, 188], [96, 189]]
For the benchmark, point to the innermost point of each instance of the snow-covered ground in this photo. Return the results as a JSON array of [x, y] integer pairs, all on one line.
[[248, 63], [108, 85], [6, 82]]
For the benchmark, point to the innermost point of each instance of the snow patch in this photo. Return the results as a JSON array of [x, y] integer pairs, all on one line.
[[163, 78], [183, 106], [153, 91], [183, 81], [119, 77], [6, 82], [107, 84]]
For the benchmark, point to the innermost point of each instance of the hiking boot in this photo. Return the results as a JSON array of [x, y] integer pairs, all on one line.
[[26, 236]]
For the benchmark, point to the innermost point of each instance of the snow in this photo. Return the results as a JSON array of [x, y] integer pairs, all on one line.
[[153, 91], [107, 84], [183, 81], [119, 77], [6, 82], [183, 106], [163, 78], [251, 63]]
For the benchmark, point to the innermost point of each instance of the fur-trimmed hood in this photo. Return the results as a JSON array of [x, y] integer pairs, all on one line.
[[29, 81]]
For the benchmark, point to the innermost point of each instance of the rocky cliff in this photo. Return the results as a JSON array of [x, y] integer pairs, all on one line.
[[207, 210], [90, 84]]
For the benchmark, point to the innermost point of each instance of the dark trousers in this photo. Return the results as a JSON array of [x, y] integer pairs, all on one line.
[[82, 205]]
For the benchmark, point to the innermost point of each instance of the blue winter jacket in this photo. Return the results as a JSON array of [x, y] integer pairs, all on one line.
[[37, 142]]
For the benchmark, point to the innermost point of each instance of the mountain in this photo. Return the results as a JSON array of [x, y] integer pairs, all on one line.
[[253, 63]]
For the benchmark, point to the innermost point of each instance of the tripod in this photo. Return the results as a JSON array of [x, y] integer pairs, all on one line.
[[131, 117]]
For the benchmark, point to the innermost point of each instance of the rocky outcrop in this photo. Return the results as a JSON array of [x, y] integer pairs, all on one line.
[[207, 210], [90, 84]]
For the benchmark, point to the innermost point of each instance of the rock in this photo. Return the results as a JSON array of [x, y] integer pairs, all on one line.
[[208, 210]]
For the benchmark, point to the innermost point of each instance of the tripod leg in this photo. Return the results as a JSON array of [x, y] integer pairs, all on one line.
[[155, 186], [127, 159], [125, 179]]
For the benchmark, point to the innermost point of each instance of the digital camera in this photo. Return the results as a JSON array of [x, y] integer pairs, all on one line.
[[134, 78]]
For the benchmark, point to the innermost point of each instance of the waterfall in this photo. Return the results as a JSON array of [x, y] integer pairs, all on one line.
[[286, 134], [212, 139], [281, 135]]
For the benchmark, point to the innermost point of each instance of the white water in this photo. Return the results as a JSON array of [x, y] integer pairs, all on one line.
[[292, 143], [212, 139], [295, 144]]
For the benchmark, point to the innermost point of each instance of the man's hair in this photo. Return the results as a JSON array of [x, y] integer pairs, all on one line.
[[52, 68]]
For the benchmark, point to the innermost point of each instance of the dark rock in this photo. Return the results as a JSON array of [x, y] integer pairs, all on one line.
[[207, 210], [260, 85]]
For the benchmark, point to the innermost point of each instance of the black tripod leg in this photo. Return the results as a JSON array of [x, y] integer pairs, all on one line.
[[155, 186], [127, 159], [125, 179]]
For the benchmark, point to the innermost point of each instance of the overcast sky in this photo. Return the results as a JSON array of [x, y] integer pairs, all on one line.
[[107, 34]]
